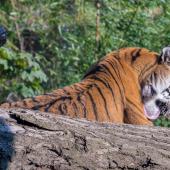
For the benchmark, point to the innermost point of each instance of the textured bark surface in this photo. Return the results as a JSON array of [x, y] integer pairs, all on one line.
[[36, 140]]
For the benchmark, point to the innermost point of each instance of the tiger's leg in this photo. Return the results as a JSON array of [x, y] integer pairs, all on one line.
[[134, 113], [134, 108]]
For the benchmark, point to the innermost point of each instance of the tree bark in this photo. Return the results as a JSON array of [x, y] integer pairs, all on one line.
[[32, 140]]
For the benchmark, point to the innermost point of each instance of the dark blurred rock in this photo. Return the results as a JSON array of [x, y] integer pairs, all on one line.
[[3, 36]]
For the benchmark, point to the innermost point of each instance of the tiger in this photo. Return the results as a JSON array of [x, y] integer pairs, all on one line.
[[110, 90], [155, 89]]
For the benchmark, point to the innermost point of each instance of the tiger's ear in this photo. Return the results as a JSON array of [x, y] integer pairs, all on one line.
[[164, 57]]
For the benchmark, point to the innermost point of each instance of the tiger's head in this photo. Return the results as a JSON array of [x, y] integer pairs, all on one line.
[[155, 88]]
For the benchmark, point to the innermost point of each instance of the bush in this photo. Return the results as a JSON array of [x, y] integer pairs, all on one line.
[[20, 73], [58, 38]]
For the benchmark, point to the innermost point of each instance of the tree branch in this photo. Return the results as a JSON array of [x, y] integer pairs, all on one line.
[[36, 140]]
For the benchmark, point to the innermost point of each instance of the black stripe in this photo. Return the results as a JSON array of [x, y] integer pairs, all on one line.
[[75, 108], [104, 100], [117, 73], [166, 56], [135, 54], [159, 58], [84, 108], [152, 78], [50, 94], [71, 88], [122, 67], [25, 103], [37, 107], [168, 90], [78, 88], [120, 62], [51, 103], [107, 86], [94, 105], [66, 91], [63, 110], [34, 100], [155, 76], [93, 69], [59, 108], [103, 82], [146, 70], [63, 98], [131, 103], [114, 77]]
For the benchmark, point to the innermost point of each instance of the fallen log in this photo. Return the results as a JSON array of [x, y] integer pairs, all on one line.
[[32, 140]]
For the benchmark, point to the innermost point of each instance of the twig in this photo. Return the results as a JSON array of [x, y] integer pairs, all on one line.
[[13, 2], [128, 25], [98, 5]]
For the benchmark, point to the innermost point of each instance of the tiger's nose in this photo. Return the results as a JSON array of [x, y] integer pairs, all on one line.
[[163, 107], [160, 104]]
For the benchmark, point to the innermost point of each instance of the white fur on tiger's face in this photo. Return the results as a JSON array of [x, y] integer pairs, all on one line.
[[156, 89]]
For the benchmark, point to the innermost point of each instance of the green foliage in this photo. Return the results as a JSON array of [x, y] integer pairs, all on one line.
[[20, 73], [66, 31], [162, 122]]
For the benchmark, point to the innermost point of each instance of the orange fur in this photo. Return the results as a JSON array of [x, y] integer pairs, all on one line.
[[109, 92]]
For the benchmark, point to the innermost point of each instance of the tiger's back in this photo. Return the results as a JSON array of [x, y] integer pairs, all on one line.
[[109, 92]]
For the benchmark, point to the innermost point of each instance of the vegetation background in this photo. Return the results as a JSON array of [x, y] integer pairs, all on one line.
[[51, 43]]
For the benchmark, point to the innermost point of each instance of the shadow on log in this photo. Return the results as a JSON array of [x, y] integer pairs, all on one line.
[[32, 140]]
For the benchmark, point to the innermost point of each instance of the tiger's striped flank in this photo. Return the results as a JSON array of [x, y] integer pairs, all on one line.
[[109, 92]]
